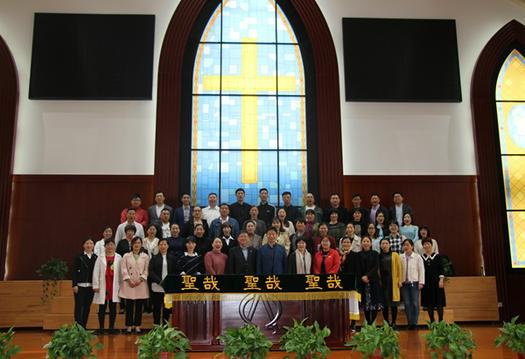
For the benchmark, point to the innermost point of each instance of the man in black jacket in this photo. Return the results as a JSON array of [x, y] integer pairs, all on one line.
[[241, 259]]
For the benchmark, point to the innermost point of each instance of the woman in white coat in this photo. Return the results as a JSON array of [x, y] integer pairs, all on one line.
[[106, 285]]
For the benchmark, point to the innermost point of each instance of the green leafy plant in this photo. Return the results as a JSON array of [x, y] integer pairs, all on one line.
[[449, 340], [373, 341], [7, 349], [163, 339], [306, 341], [513, 336], [245, 342], [51, 272], [72, 342]]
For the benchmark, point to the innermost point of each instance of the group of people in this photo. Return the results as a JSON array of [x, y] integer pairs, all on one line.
[[390, 262]]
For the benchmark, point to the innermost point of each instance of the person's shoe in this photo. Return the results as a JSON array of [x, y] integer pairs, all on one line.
[[99, 332], [138, 331], [128, 331], [393, 326], [112, 331]]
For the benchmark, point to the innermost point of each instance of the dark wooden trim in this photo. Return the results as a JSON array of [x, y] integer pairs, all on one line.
[[8, 115], [169, 95], [490, 186]]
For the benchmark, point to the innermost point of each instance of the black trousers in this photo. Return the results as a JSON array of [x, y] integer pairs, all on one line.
[[134, 312], [112, 314], [159, 309], [83, 300]]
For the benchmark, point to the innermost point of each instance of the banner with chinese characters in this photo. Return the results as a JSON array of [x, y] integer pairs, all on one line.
[[269, 287]]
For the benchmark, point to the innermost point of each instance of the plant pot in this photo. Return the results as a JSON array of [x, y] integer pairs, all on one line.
[[164, 355], [377, 354]]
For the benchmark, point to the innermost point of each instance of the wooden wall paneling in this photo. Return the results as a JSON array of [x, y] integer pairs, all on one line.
[[53, 214], [490, 186], [8, 114], [447, 204]]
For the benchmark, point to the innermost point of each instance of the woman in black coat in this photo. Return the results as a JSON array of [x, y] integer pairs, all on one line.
[[433, 293], [160, 266], [82, 278], [368, 279]]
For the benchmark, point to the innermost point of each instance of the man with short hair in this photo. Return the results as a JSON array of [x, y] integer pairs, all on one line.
[[271, 257], [184, 212], [164, 224], [335, 203], [141, 215], [155, 210], [260, 226], [266, 210], [357, 204], [130, 220], [240, 210], [399, 209], [211, 212], [375, 205], [242, 258], [215, 226], [309, 203], [292, 212]]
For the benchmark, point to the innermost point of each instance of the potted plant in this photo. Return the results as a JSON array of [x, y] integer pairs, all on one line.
[[162, 341], [513, 336], [51, 272], [72, 342], [245, 342], [376, 342], [449, 340], [306, 341], [7, 349]]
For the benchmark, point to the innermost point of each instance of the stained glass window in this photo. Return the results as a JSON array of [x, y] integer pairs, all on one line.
[[248, 117], [510, 103]]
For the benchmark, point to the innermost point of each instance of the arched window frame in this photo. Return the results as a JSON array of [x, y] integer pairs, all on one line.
[[8, 116], [171, 105], [491, 195]]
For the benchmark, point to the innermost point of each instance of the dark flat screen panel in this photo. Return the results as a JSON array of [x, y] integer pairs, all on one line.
[[401, 60], [92, 57]]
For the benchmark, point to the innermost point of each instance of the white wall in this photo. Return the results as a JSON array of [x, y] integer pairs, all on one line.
[[81, 137], [110, 137], [405, 138]]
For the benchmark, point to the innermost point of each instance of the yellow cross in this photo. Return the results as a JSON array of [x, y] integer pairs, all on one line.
[[249, 83]]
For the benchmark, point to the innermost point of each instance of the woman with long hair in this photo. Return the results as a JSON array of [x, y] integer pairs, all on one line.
[[390, 274]]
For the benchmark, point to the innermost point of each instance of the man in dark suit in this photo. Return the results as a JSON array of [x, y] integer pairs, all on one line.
[[240, 210], [266, 210], [184, 212], [335, 203], [241, 258], [399, 209], [375, 206], [271, 257], [292, 212], [155, 210]]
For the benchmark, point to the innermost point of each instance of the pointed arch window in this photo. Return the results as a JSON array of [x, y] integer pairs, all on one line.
[[510, 105], [248, 116]]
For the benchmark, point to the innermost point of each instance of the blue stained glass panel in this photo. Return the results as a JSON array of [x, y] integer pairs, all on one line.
[[212, 32], [285, 33], [205, 175], [207, 69], [253, 74], [231, 176], [290, 65], [292, 123], [292, 173], [206, 122], [248, 21], [261, 108]]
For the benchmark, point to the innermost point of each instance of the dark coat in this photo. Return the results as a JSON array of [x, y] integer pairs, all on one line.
[[238, 265]]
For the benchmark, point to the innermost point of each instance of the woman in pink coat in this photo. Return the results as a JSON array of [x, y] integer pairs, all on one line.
[[134, 271]]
